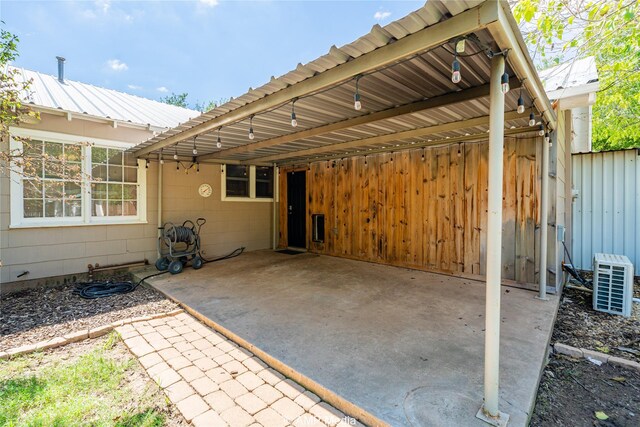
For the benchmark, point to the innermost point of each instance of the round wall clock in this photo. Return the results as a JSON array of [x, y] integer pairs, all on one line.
[[205, 190]]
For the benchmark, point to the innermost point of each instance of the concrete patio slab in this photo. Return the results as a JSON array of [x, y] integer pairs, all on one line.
[[404, 345]]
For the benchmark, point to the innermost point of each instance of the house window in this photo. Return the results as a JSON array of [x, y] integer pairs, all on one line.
[[71, 180], [51, 185], [264, 182], [237, 181], [114, 177], [247, 183]]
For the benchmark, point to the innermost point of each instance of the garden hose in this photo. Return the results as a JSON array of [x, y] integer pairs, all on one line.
[[569, 268], [100, 289]]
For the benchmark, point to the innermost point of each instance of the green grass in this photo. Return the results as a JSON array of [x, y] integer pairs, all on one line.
[[86, 391]]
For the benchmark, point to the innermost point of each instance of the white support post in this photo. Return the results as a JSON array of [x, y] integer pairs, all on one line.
[[544, 220], [489, 411], [159, 200], [275, 211]]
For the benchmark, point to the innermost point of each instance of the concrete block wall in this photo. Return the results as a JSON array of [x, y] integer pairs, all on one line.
[[229, 224]]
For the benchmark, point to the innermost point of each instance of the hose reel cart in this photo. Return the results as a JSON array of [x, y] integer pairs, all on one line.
[[179, 244]]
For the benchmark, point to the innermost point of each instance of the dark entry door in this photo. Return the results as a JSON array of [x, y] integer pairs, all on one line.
[[296, 222]]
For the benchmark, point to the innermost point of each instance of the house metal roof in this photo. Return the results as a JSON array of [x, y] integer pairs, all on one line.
[[93, 101], [426, 75], [570, 74]]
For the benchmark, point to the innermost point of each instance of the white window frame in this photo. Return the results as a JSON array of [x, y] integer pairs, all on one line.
[[252, 187], [16, 187]]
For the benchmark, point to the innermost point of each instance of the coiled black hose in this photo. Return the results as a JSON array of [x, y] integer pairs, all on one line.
[[100, 289], [182, 234]]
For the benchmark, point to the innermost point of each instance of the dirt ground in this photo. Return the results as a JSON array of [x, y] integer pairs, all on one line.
[[579, 325], [34, 315], [572, 391]]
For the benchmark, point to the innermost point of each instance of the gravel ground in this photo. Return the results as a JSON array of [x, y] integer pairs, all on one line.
[[34, 315]]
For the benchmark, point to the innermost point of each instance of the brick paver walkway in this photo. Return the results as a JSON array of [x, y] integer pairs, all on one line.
[[213, 382]]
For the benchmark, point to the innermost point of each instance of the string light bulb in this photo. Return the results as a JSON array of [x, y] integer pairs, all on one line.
[[520, 103], [161, 157], [532, 118], [294, 121], [541, 131], [195, 150], [146, 164], [219, 141], [505, 82], [251, 134], [357, 104], [175, 154], [547, 138], [456, 77]]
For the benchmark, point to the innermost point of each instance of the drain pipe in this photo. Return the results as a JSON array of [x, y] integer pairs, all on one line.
[[160, 164], [275, 214]]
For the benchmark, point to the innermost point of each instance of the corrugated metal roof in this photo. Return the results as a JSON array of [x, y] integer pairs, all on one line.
[[76, 97], [424, 76], [570, 74]]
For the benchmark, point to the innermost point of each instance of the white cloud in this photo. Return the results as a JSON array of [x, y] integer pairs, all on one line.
[[134, 87], [103, 5], [380, 15], [162, 89], [117, 65], [209, 3]]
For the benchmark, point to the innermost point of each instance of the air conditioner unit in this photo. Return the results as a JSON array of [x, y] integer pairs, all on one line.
[[612, 284]]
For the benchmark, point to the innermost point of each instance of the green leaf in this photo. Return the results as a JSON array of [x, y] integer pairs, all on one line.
[[601, 416]]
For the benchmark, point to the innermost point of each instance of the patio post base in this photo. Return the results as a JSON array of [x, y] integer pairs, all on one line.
[[542, 299], [500, 421]]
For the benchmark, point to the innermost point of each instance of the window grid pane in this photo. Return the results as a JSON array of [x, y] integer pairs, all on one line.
[[114, 190], [52, 180], [54, 176], [237, 181], [264, 182]]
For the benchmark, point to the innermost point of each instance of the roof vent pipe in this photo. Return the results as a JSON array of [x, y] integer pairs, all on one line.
[[60, 68]]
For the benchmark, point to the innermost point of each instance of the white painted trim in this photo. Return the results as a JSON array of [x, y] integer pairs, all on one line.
[[68, 138], [17, 219], [563, 93], [252, 187], [72, 115]]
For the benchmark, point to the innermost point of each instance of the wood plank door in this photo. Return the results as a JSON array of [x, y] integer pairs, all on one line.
[[296, 209]]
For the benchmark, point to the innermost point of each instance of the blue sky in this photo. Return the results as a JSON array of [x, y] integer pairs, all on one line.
[[212, 49]]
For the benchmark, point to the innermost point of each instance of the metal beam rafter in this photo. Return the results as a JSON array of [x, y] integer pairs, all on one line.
[[475, 137], [381, 139], [414, 107]]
